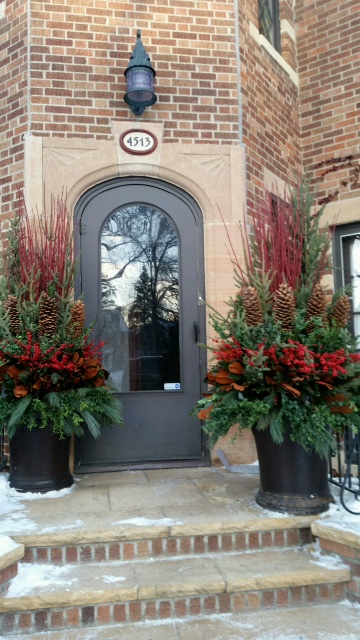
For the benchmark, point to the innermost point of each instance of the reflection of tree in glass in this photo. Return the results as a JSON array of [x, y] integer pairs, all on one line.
[[138, 237], [140, 248], [108, 295]]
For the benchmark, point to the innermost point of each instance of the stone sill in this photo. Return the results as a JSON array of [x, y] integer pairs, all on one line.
[[265, 44]]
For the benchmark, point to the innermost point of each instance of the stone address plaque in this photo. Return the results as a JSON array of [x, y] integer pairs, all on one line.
[[138, 142]]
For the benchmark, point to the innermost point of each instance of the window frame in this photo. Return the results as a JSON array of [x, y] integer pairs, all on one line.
[[274, 10], [341, 231]]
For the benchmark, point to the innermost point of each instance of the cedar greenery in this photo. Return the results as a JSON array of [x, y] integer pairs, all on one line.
[[286, 363], [51, 372]]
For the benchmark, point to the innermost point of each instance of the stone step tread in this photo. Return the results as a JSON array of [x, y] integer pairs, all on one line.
[[46, 586], [317, 622], [113, 527]]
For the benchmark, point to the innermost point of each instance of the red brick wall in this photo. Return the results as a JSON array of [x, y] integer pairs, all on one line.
[[328, 44], [13, 99], [81, 49], [79, 52], [270, 107], [349, 555]]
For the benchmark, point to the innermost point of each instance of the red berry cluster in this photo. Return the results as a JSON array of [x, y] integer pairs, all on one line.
[[299, 357], [228, 351], [332, 362]]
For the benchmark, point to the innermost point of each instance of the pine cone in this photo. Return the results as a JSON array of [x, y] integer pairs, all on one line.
[[284, 307], [316, 306], [11, 305], [252, 306], [48, 315], [341, 311], [77, 318]]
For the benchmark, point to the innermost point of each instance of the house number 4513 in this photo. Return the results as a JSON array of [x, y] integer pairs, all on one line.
[[138, 141]]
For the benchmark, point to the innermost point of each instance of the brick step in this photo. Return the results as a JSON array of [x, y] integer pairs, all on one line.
[[164, 542], [339, 620], [76, 596]]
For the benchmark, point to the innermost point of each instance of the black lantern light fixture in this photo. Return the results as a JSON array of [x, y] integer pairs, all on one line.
[[139, 74]]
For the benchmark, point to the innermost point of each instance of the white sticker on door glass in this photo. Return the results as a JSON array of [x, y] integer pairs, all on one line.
[[170, 386]]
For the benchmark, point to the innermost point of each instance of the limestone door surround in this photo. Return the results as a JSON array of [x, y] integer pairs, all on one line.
[[213, 174]]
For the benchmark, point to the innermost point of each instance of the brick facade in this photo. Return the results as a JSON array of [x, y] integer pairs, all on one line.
[[270, 102], [219, 83], [76, 85], [14, 98], [80, 52], [68, 79], [329, 69]]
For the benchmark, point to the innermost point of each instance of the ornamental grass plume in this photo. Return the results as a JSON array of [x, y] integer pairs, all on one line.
[[284, 359], [51, 371]]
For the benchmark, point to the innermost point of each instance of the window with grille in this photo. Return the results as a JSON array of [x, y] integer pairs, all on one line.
[[269, 22], [347, 269]]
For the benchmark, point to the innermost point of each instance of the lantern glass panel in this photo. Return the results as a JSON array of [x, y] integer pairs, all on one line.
[[140, 85]]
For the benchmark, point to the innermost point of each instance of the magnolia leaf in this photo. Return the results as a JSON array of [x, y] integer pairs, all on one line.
[[13, 372], [210, 378], [222, 378], [239, 387], [91, 372], [295, 392], [98, 381], [236, 367], [204, 413], [344, 409], [20, 390], [329, 386]]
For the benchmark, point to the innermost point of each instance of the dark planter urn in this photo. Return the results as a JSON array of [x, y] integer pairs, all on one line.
[[291, 480], [39, 461]]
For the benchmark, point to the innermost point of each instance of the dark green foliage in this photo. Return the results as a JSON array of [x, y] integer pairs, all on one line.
[[68, 411]]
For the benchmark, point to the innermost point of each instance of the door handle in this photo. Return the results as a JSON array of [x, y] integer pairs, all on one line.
[[196, 332]]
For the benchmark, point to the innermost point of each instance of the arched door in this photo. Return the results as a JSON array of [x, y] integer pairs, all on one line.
[[141, 276]]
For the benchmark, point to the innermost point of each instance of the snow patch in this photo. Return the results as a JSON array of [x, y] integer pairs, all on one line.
[[75, 525], [329, 562], [111, 579], [13, 511], [339, 518], [147, 522], [7, 544], [40, 496], [267, 512], [37, 576]]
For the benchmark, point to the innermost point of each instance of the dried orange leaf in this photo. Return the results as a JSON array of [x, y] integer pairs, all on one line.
[[236, 367], [204, 413], [20, 390], [13, 371], [239, 387], [295, 392], [91, 372]]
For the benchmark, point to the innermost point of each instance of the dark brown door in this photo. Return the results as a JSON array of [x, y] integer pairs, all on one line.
[[141, 277]]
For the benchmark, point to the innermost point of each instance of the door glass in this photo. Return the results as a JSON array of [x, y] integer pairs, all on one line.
[[140, 299]]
